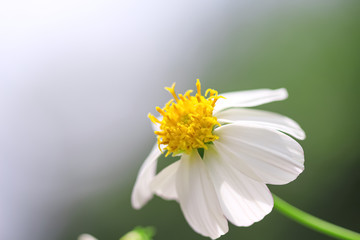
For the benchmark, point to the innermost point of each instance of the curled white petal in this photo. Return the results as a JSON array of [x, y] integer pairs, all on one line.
[[142, 193], [242, 199], [275, 157], [249, 98], [198, 199], [164, 184], [262, 118]]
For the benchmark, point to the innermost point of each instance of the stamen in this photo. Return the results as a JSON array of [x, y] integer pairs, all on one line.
[[187, 93], [198, 86], [182, 97], [207, 91], [162, 112], [188, 123], [153, 119], [159, 133], [172, 91]]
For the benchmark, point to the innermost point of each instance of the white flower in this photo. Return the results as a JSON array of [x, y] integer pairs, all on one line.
[[244, 149]]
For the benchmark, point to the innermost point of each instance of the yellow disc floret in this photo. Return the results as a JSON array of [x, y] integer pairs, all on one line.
[[187, 123]]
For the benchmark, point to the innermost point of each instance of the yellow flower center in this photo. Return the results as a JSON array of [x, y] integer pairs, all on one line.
[[187, 123]]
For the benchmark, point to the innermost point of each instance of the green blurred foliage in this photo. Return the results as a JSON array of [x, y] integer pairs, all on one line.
[[316, 56], [140, 233]]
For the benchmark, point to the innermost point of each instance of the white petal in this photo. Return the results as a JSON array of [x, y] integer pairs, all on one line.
[[275, 157], [155, 127], [164, 184], [86, 236], [249, 98], [242, 199], [231, 157], [198, 199], [262, 118], [141, 193]]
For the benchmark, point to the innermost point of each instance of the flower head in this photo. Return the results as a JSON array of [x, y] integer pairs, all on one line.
[[244, 149], [188, 123]]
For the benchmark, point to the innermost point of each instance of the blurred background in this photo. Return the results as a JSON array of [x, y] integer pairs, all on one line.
[[77, 79]]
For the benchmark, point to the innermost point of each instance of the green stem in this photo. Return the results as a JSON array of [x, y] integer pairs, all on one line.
[[313, 222]]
